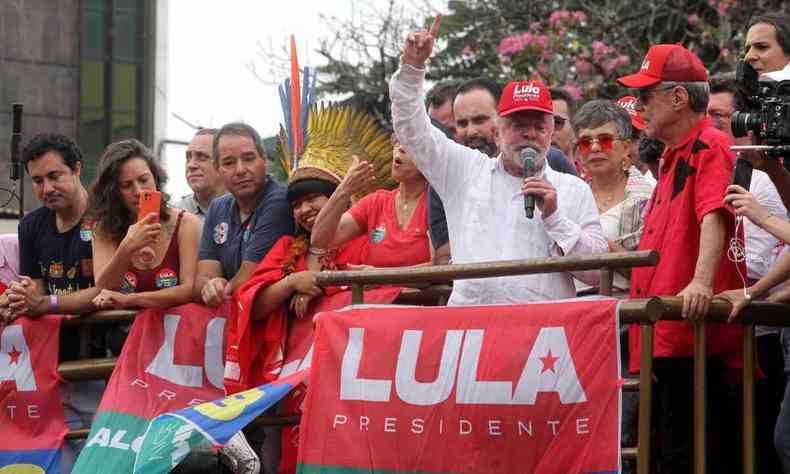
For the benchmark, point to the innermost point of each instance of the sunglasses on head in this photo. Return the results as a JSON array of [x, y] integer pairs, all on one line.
[[605, 143]]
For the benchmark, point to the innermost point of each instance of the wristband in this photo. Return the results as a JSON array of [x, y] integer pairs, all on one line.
[[53, 302], [318, 252]]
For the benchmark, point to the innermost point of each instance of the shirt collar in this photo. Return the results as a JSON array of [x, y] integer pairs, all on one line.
[[236, 214]]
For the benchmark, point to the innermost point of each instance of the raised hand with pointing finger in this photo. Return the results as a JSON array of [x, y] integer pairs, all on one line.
[[419, 45]]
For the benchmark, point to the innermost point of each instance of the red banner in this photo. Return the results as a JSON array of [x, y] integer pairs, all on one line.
[[172, 358], [529, 388], [31, 411]]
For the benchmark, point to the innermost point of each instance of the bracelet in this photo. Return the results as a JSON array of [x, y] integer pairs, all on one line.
[[318, 252], [53, 302]]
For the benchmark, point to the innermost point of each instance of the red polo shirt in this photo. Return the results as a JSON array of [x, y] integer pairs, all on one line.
[[694, 177]]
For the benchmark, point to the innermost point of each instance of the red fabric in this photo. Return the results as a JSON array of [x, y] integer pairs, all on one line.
[[164, 275], [388, 244], [693, 182], [537, 364], [525, 95], [258, 345], [666, 62]]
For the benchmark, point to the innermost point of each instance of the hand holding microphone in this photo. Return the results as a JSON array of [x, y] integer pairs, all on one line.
[[536, 190]]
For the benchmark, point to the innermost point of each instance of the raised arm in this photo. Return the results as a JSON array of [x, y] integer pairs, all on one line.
[[334, 226], [110, 262]]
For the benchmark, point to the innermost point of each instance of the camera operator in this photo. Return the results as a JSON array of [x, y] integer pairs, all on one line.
[[768, 50]]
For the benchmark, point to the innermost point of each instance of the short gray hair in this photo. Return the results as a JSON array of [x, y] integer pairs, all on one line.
[[237, 129], [699, 94], [597, 113]]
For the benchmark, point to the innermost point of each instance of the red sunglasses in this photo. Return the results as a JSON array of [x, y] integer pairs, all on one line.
[[605, 142]]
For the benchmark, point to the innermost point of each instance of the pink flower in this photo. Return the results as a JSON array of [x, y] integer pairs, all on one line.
[[579, 17], [692, 19], [468, 51], [527, 39], [548, 54], [600, 49], [535, 26], [510, 45], [623, 60], [583, 66], [505, 60], [608, 66], [559, 16], [574, 90], [541, 40], [542, 69]]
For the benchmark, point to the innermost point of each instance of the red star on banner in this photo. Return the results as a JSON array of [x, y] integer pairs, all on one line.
[[548, 362], [14, 355]]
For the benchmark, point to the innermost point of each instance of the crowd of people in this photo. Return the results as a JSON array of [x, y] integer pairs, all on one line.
[[651, 170]]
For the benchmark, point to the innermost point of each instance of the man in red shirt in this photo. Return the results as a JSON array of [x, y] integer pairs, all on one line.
[[688, 224]]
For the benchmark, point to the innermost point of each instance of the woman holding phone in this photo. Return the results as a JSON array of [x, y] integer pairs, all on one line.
[[144, 253]]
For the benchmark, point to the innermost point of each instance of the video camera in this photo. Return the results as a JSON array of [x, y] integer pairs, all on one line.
[[767, 113]]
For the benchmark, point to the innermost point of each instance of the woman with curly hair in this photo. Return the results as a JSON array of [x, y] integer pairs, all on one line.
[[148, 263]]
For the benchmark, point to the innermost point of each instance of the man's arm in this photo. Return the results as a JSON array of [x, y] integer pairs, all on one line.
[[698, 293], [30, 297], [209, 287]]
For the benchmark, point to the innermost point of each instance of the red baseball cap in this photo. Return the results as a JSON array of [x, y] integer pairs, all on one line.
[[525, 95], [666, 62], [629, 104]]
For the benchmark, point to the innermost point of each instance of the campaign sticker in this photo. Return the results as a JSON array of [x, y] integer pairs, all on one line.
[[221, 233], [87, 267], [166, 278], [378, 234], [56, 269], [86, 233], [129, 284], [247, 232]]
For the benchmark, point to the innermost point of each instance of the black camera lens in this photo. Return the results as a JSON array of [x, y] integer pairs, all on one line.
[[742, 123]]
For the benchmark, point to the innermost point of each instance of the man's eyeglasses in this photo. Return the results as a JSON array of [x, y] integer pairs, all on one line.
[[559, 122], [644, 95], [605, 143]]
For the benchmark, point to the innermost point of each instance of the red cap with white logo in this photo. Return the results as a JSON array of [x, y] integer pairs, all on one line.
[[666, 62], [629, 104], [525, 95]]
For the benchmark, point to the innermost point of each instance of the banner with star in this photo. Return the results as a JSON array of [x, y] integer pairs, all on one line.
[[31, 411], [497, 389]]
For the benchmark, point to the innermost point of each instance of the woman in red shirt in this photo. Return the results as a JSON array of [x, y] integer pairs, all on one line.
[[396, 221]]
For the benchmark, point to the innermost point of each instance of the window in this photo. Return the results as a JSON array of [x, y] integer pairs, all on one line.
[[111, 76]]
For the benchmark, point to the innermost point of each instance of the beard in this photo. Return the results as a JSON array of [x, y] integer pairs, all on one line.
[[483, 146]]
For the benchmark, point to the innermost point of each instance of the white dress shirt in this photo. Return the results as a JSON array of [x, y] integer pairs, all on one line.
[[485, 208]]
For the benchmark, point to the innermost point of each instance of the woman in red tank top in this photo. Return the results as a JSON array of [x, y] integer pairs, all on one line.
[[147, 264]]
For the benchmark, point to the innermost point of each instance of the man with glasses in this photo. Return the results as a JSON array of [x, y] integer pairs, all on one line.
[[689, 225], [484, 197], [564, 108]]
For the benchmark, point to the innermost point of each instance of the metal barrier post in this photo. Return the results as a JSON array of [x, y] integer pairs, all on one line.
[[357, 293], [699, 397], [645, 400], [748, 399], [606, 280]]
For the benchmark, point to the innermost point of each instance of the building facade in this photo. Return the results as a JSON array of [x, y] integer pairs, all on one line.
[[94, 70]]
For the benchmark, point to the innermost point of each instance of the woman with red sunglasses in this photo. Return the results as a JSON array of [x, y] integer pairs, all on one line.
[[603, 130]]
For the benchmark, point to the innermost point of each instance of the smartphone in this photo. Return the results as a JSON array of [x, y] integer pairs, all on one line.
[[742, 173], [150, 202]]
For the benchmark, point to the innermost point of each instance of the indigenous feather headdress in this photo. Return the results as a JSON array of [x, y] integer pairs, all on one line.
[[321, 143]]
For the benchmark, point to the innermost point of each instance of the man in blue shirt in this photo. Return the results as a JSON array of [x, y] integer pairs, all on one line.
[[243, 225]]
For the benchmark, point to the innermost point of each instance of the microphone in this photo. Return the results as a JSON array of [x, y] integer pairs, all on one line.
[[528, 154], [16, 138]]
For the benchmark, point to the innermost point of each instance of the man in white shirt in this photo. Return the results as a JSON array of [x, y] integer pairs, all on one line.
[[484, 198]]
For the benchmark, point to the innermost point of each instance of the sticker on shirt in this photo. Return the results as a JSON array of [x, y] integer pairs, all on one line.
[[247, 233], [166, 278], [87, 267], [56, 270], [72, 273], [221, 233], [86, 232], [129, 283], [378, 235]]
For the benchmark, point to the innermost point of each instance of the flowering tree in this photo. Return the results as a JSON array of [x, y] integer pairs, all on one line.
[[585, 45]]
